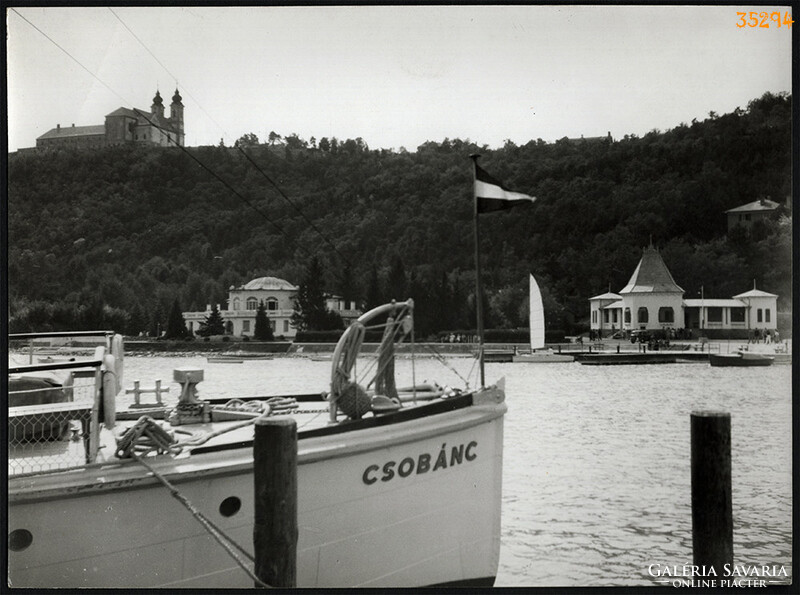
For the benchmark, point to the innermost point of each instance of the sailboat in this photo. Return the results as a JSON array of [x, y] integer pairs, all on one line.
[[537, 331]]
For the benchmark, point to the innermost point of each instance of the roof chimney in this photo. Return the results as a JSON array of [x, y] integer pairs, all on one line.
[[73, 124], [58, 127]]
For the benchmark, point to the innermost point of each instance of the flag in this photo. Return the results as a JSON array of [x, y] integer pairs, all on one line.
[[491, 195]]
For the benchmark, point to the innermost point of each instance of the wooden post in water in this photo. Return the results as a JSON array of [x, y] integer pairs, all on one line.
[[712, 509], [275, 479]]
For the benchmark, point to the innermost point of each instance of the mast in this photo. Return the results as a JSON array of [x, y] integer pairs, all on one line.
[[478, 282]]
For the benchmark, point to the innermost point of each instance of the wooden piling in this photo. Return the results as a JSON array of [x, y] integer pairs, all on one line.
[[712, 509], [275, 479]]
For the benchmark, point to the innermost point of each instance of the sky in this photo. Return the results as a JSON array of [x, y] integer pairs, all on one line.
[[396, 76]]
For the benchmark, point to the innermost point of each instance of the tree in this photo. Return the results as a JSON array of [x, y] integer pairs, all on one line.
[[295, 142], [374, 295], [176, 326], [397, 283], [310, 313], [213, 324], [247, 140], [263, 330], [274, 137], [137, 322], [156, 321]]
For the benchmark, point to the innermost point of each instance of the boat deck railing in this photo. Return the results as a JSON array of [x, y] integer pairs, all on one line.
[[54, 410]]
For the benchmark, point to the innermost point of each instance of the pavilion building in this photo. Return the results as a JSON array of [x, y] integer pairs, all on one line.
[[652, 300]]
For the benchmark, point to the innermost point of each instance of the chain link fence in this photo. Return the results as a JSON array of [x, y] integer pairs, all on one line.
[[50, 423]]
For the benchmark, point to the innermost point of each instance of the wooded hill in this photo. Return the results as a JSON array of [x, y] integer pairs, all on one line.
[[112, 237]]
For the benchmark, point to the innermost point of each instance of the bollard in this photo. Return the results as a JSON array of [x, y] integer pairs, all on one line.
[[712, 510], [275, 480]]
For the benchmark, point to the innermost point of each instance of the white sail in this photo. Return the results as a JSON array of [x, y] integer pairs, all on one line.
[[536, 316]]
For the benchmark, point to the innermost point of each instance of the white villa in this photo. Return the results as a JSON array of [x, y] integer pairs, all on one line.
[[278, 297], [652, 300]]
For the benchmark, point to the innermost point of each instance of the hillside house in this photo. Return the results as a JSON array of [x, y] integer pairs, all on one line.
[[746, 215]]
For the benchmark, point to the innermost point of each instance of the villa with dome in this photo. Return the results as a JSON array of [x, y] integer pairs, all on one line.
[[239, 313]]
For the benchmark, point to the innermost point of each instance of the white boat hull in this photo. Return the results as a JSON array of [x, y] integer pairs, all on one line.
[[431, 517]]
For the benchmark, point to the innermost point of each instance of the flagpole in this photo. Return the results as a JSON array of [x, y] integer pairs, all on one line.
[[478, 284]]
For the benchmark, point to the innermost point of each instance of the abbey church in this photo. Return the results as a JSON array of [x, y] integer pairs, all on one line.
[[123, 125]]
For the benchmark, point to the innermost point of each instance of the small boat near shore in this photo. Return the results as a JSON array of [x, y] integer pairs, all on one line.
[[396, 487], [216, 359], [740, 359], [543, 357], [626, 359]]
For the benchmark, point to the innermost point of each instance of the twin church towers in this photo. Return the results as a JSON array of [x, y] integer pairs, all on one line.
[[124, 125]]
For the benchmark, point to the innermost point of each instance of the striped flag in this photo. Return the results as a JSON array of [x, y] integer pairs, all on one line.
[[491, 195]]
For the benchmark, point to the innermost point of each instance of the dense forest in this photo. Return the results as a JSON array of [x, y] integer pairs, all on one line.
[[112, 237]]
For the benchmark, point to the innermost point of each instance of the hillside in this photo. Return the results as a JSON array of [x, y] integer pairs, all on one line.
[[112, 237]]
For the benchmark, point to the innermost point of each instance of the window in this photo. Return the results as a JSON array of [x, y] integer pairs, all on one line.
[[666, 314], [236, 303], [605, 316], [245, 326], [272, 303], [594, 316], [642, 315], [715, 314], [737, 314], [766, 315], [252, 303], [272, 325], [759, 315], [285, 326], [627, 315]]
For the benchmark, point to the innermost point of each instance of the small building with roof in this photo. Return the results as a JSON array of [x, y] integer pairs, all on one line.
[[652, 300], [277, 295], [746, 215]]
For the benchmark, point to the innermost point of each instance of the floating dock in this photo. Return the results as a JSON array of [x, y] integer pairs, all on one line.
[[621, 359]]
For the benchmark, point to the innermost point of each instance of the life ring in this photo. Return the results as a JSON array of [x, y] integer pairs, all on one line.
[[118, 351], [109, 402]]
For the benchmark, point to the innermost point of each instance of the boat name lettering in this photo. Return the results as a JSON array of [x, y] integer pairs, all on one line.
[[423, 463]]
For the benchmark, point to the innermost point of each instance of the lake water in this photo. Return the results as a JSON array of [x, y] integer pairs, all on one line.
[[597, 483]]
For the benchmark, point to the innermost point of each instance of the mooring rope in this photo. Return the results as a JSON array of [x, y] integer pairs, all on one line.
[[215, 532], [445, 363]]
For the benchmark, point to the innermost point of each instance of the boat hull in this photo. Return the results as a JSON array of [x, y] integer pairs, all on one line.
[[407, 504], [625, 359], [543, 358], [740, 360]]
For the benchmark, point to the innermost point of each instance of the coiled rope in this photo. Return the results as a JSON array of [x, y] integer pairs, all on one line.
[[143, 437]]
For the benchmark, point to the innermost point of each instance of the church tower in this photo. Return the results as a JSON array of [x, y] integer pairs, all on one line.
[[176, 116], [157, 109]]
